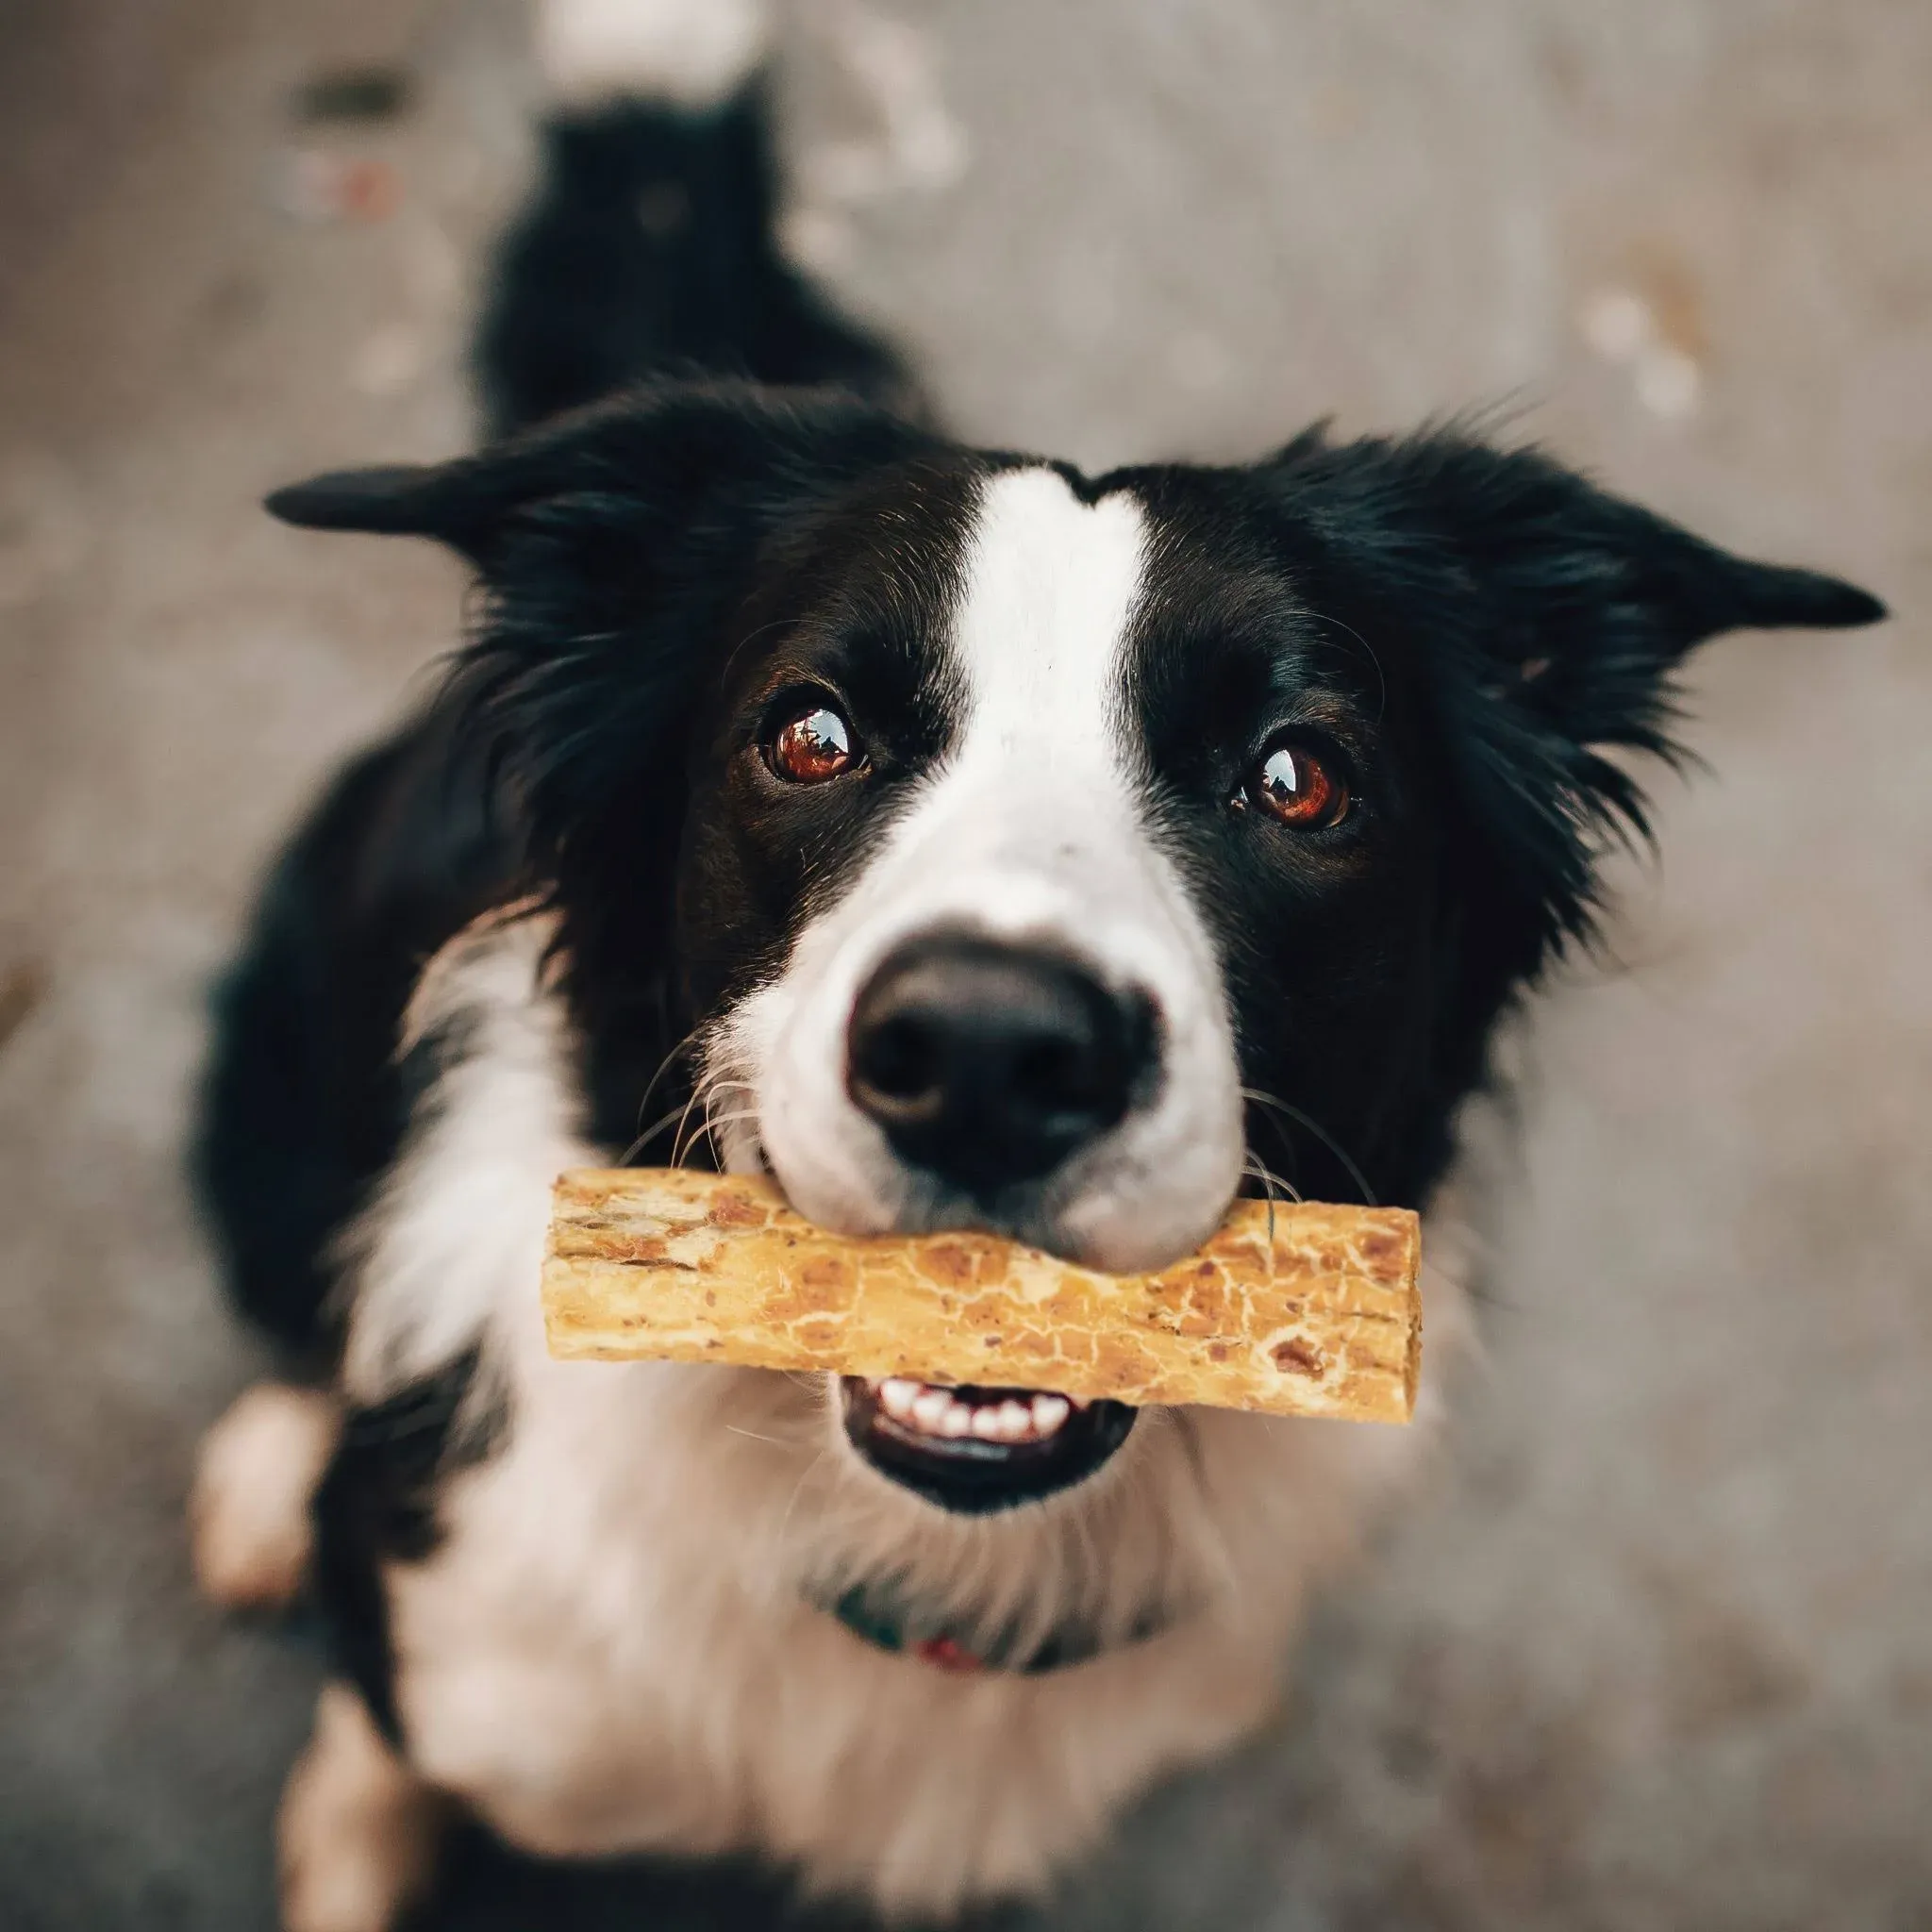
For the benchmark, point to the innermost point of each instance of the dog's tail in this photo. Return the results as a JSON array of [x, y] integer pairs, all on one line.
[[651, 244]]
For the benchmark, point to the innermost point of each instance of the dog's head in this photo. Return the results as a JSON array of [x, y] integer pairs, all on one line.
[[1053, 854]]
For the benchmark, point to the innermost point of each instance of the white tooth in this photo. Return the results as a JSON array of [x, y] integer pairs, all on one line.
[[929, 1409], [897, 1395], [1049, 1412], [958, 1420], [988, 1423], [1016, 1421]]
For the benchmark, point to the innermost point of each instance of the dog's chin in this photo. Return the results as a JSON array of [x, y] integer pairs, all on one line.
[[976, 1450]]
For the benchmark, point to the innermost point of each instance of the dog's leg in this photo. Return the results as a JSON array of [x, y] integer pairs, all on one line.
[[248, 1512], [357, 1831]]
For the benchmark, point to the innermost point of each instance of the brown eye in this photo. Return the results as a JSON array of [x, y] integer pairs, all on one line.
[[1298, 786], [812, 747]]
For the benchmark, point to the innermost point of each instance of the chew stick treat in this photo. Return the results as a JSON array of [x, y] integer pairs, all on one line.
[[1324, 1319]]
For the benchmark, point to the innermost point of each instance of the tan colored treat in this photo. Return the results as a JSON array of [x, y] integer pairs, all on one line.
[[709, 1268]]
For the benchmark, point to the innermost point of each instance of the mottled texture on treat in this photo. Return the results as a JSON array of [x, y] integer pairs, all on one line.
[[1324, 1320]]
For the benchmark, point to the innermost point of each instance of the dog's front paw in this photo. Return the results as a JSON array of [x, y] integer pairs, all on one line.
[[358, 1829], [248, 1512]]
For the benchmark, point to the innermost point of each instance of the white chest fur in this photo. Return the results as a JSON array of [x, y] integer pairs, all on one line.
[[610, 1648]]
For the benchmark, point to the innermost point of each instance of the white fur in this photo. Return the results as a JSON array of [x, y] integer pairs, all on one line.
[[690, 52], [456, 1236], [248, 1512], [613, 1648], [1033, 828]]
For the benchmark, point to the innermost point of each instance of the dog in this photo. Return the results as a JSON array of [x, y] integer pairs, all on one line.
[[962, 840]]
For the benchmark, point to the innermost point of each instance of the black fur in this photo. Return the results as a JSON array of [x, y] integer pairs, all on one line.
[[650, 249], [302, 1105], [377, 1505]]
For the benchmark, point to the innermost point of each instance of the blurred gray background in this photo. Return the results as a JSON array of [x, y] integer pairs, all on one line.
[[1655, 1648]]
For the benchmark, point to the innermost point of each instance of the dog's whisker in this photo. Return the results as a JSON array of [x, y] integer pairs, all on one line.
[[1284, 1136], [721, 1080], [1381, 676], [678, 1140], [791, 1448], [664, 1066], [1255, 1165], [1269, 1181], [710, 1129], [810, 1469], [708, 1083], [1320, 1132], [649, 1134]]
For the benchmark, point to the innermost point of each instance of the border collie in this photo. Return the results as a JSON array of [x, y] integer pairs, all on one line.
[[961, 840]]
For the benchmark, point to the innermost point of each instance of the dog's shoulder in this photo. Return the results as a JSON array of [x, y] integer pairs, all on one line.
[[452, 1235], [439, 1268]]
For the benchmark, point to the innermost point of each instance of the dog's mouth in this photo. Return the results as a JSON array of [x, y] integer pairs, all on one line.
[[974, 1449]]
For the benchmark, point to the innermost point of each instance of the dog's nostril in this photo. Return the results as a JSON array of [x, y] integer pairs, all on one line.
[[898, 1059], [990, 1064]]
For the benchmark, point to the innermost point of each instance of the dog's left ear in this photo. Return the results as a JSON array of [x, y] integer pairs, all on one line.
[[1549, 617]]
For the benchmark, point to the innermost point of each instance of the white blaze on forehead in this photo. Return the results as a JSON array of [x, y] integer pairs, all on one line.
[[1041, 633], [1030, 826]]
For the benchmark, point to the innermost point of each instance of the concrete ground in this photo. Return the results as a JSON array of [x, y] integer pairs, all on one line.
[[1654, 1650]]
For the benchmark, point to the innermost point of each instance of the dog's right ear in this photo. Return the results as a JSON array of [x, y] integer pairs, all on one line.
[[614, 545], [390, 499], [673, 456]]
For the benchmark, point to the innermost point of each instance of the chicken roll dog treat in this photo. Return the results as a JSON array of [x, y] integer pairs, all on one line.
[[1294, 1309]]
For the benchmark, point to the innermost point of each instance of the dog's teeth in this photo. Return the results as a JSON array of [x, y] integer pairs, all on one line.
[[1049, 1412], [940, 1412]]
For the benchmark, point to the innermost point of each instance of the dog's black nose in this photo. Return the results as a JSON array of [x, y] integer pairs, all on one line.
[[990, 1064]]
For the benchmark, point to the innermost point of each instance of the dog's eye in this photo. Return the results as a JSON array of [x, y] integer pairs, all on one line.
[[1298, 786], [811, 747]]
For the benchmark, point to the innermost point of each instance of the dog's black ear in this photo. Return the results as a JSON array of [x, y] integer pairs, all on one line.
[[1549, 617], [442, 500], [615, 545], [672, 455]]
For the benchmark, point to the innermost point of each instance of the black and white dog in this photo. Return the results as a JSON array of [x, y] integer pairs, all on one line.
[[964, 840]]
